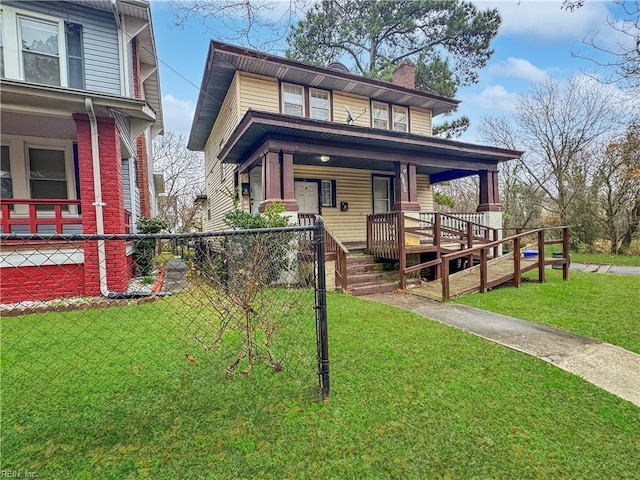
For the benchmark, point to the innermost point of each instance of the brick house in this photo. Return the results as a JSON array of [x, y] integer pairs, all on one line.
[[80, 106]]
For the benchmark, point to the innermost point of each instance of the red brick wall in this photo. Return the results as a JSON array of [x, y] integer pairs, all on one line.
[[112, 196], [47, 282], [404, 76]]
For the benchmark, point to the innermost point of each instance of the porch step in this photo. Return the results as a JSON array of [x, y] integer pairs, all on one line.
[[371, 288], [365, 276]]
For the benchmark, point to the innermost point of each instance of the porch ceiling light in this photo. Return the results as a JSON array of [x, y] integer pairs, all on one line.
[[325, 158]]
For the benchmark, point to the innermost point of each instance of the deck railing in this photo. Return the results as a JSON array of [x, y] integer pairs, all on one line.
[[334, 249], [516, 244], [30, 215], [384, 234]]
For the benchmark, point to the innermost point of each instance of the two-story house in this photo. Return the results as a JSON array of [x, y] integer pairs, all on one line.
[[322, 140], [80, 106]]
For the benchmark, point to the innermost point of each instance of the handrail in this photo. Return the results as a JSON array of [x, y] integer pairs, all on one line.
[[516, 239], [333, 245]]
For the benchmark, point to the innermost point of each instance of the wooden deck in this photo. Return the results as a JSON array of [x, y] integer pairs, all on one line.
[[499, 271]]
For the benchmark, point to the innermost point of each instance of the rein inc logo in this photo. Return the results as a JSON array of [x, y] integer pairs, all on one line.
[[17, 474]]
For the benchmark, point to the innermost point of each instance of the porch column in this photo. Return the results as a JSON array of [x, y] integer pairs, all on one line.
[[288, 183], [118, 269], [405, 188], [489, 196], [271, 179]]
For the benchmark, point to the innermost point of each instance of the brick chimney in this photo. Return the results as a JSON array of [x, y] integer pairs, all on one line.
[[404, 76]]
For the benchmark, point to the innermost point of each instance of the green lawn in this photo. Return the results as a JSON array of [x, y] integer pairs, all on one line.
[[598, 258], [603, 306], [411, 398]]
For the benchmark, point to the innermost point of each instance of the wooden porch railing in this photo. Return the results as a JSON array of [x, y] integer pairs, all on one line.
[[54, 213], [334, 249], [515, 275], [384, 231]]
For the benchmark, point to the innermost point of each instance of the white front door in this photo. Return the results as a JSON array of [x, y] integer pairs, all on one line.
[[307, 197], [381, 194], [255, 184]]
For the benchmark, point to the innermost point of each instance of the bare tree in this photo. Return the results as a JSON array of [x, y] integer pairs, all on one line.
[[623, 56], [184, 178], [619, 182], [243, 21]]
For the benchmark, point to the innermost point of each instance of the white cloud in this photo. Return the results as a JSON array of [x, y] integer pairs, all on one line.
[[546, 20], [517, 68], [178, 114], [493, 100]]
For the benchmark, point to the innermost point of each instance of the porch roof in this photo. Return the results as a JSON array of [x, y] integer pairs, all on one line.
[[31, 98], [223, 60], [356, 147]]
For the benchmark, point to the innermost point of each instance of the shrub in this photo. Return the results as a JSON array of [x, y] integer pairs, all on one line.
[[145, 249]]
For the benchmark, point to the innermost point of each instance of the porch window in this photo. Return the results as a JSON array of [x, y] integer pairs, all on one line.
[[40, 52], [380, 115], [320, 104], [293, 100], [328, 193], [47, 174], [5, 174], [400, 117]]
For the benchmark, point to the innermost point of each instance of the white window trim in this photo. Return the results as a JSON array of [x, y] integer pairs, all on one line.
[[13, 61], [282, 106], [406, 116], [373, 118], [328, 92]]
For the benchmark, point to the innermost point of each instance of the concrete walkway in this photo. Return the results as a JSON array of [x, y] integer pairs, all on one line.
[[612, 368], [617, 269]]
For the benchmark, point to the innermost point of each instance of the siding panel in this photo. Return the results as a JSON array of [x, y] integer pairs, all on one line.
[[356, 104], [420, 121], [99, 37], [258, 93]]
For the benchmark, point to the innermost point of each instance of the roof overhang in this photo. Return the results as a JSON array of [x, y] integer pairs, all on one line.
[[223, 60], [356, 147], [25, 97]]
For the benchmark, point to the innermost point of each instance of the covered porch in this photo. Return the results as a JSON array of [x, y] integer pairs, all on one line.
[[347, 173]]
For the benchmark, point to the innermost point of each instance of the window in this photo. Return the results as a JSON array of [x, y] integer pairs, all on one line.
[[5, 174], [320, 105], [400, 117], [47, 174], [380, 115], [293, 100], [41, 49], [381, 194], [75, 61], [1, 50], [40, 52], [328, 193]]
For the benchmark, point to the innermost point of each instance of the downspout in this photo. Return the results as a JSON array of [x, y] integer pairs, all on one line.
[[98, 203]]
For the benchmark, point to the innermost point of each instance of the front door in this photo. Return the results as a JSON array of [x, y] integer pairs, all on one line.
[[307, 197], [381, 194], [255, 186]]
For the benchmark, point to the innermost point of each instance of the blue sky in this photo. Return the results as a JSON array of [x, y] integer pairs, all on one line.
[[536, 40]]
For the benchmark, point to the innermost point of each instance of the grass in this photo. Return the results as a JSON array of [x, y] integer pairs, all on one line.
[[598, 258], [411, 398], [600, 306]]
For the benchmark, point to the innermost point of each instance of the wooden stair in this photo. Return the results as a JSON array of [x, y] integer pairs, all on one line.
[[365, 276]]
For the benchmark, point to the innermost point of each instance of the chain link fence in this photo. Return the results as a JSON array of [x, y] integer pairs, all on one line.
[[92, 311]]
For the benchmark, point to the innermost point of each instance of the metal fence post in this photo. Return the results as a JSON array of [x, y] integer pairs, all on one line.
[[321, 310]]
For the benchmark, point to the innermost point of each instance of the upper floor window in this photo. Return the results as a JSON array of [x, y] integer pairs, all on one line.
[[380, 112], [40, 49], [293, 99], [320, 104], [400, 117]]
